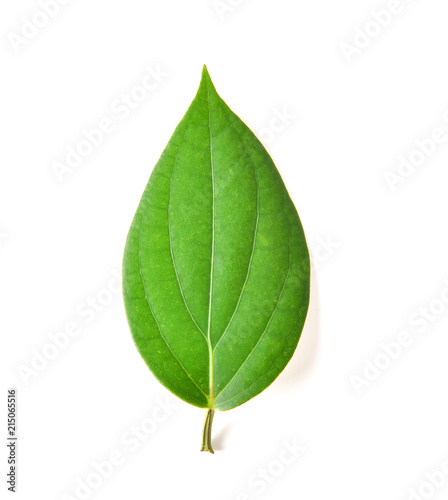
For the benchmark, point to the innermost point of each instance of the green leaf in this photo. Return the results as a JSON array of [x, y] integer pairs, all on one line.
[[216, 266]]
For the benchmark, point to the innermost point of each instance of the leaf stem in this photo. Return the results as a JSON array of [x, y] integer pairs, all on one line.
[[207, 432]]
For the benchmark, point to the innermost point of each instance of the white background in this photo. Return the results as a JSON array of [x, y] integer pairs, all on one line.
[[380, 254]]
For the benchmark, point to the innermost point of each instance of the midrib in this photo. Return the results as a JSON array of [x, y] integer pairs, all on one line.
[[210, 350]]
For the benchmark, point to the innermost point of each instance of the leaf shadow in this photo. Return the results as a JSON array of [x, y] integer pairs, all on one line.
[[220, 438], [306, 353], [300, 364]]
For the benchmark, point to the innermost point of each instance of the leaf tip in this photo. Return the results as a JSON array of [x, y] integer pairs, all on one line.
[[206, 80]]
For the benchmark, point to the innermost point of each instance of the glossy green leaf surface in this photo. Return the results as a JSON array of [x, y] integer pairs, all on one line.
[[216, 266]]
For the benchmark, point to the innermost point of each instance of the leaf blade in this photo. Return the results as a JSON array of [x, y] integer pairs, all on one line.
[[237, 274]]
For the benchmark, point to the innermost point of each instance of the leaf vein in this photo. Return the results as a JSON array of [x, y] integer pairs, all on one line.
[[253, 241], [265, 329], [264, 374], [212, 263], [187, 395], [155, 317], [171, 243]]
